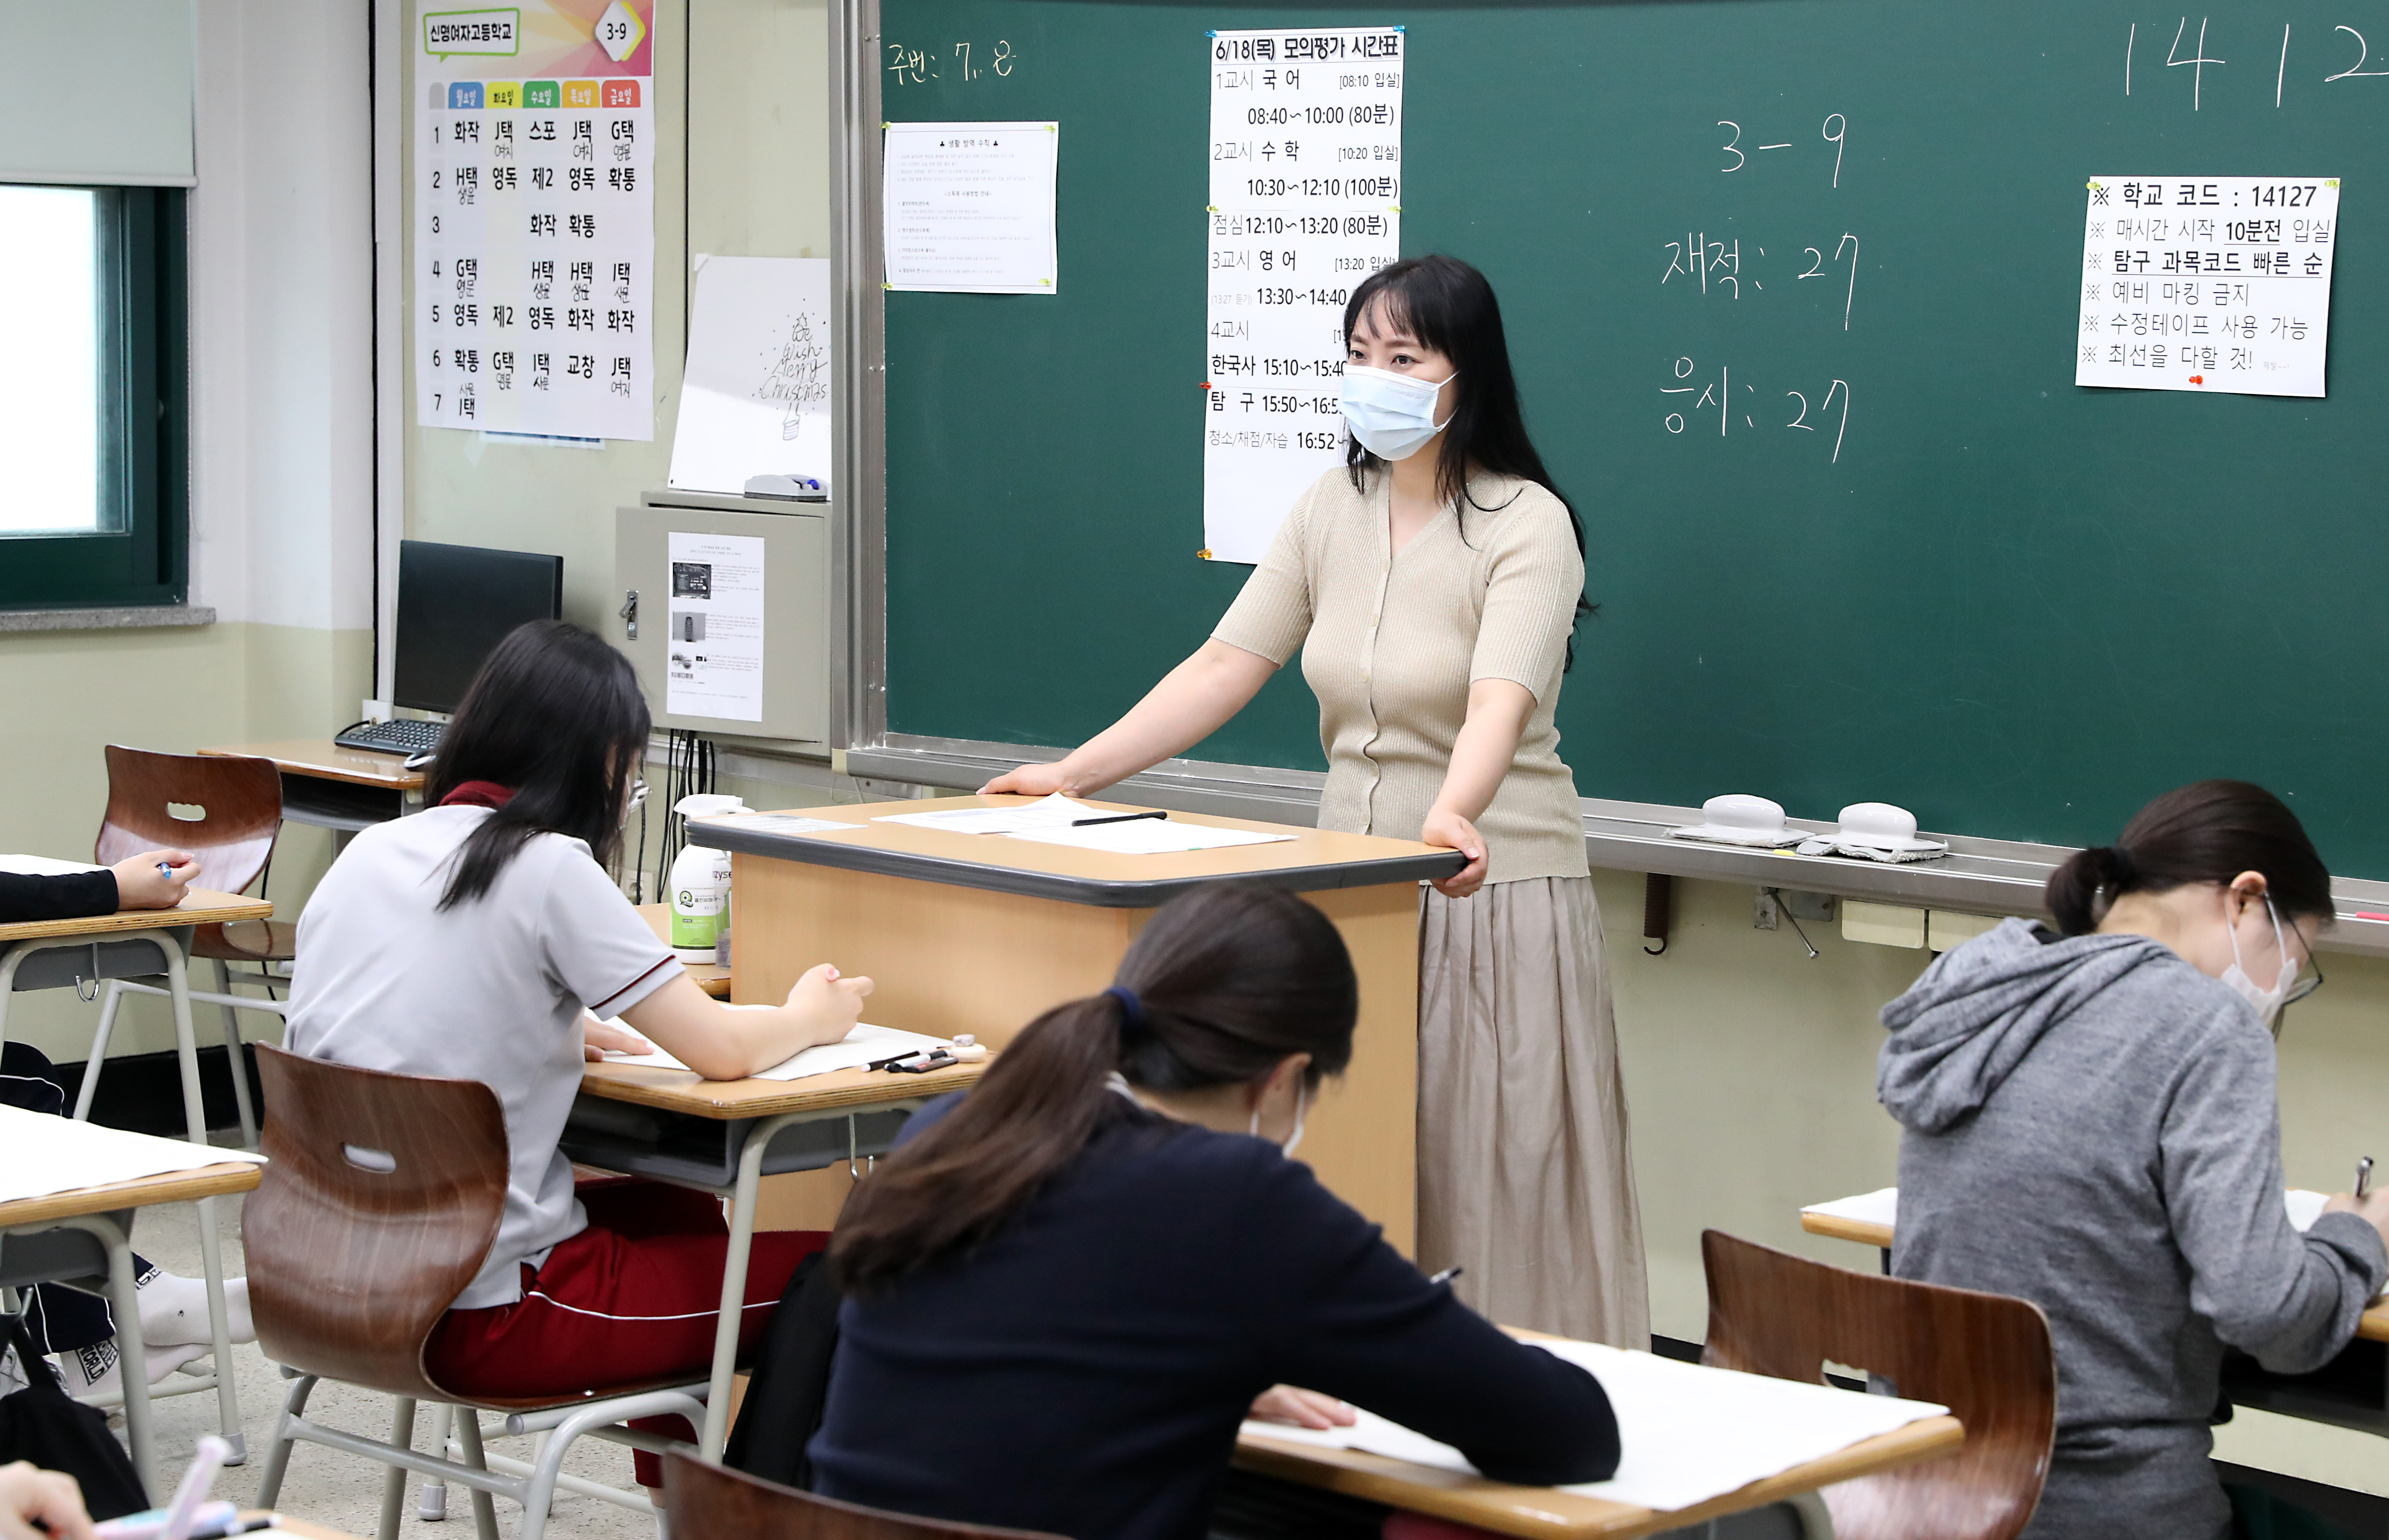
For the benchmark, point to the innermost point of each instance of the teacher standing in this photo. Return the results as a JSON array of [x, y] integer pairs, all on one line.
[[1433, 587]]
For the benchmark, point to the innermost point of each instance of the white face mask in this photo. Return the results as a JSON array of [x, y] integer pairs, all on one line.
[[1393, 415], [1301, 1109], [2236, 979]]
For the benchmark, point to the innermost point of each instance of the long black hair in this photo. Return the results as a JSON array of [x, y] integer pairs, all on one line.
[[556, 717], [1227, 981], [1449, 306], [2207, 831]]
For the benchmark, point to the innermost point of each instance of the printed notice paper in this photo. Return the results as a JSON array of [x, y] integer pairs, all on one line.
[[714, 651], [1306, 153], [756, 399], [969, 208], [534, 220], [2207, 284]]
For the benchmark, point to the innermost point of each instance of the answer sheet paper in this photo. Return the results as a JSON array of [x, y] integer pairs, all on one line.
[[41, 1155], [2209, 283], [1306, 193], [1689, 1434], [969, 208], [865, 1045], [1148, 836], [783, 823], [44, 866], [1054, 812]]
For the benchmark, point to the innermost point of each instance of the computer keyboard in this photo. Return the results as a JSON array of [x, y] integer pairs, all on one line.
[[403, 735]]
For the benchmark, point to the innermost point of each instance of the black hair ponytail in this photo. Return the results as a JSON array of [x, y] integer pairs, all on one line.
[[2208, 832], [1220, 986]]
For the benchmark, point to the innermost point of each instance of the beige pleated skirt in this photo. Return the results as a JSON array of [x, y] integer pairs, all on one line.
[[1525, 1175]]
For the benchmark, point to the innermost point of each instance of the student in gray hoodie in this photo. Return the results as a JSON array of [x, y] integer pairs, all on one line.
[[2091, 1126]]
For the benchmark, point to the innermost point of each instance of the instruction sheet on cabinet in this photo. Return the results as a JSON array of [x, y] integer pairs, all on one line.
[[1305, 155], [714, 650], [534, 220], [2208, 283]]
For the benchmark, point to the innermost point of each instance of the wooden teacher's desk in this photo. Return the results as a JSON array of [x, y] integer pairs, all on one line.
[[341, 789], [983, 934]]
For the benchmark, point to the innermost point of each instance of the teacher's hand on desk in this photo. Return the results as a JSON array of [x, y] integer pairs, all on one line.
[[1028, 780], [1455, 833]]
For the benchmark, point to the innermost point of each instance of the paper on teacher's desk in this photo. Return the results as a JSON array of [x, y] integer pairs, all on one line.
[[1148, 836], [782, 824], [1689, 1434], [866, 1045], [41, 1155], [1054, 812], [43, 866]]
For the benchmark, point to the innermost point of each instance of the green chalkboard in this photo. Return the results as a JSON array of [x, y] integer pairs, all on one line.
[[2016, 606]]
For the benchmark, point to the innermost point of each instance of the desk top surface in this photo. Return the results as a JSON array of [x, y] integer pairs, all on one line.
[[1314, 859], [200, 906], [327, 760], [1542, 1511], [710, 978], [2372, 1326], [169, 1186], [845, 1090]]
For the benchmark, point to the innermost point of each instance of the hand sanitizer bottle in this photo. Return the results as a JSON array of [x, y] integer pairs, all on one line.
[[700, 883]]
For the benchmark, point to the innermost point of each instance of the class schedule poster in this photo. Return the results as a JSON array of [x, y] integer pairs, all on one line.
[[535, 219]]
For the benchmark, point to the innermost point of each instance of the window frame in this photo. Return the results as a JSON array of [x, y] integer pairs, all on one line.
[[145, 563]]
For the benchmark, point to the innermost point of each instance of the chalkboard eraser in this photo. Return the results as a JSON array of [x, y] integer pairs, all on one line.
[[801, 489]]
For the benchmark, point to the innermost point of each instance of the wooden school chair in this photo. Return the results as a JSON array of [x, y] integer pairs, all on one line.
[[1985, 1356], [240, 814], [381, 1199], [716, 1503]]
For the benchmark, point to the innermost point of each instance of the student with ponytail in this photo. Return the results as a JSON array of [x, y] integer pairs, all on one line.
[[473, 940], [1067, 1287], [2090, 1126]]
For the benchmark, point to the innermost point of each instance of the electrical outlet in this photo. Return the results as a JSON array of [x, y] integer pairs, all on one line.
[[1765, 913]]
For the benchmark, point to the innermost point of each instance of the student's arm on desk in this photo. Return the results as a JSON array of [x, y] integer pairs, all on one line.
[[1192, 702], [1349, 1317], [731, 1042], [134, 883], [2291, 1300]]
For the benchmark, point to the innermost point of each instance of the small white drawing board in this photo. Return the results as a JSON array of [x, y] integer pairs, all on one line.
[[757, 394]]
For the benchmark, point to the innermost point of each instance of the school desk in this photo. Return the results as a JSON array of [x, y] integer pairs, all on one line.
[[724, 1137], [2352, 1391], [983, 932], [344, 790], [141, 943], [83, 1236], [1549, 1511]]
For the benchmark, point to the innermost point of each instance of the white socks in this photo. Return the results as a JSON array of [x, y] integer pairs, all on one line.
[[94, 1369], [174, 1311]]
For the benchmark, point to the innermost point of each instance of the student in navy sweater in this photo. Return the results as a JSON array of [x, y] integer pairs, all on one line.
[[1068, 1289]]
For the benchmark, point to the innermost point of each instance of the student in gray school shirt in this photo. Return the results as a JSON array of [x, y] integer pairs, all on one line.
[[2091, 1127]]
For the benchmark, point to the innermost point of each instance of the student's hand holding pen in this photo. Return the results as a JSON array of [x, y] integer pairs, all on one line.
[[154, 879], [2372, 1206], [1302, 1408], [47, 1497]]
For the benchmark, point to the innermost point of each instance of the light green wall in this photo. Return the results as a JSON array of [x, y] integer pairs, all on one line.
[[71, 693]]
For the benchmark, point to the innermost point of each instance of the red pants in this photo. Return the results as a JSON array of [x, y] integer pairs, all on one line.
[[634, 1297]]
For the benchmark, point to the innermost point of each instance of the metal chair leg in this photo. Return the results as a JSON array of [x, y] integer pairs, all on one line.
[[237, 1060], [394, 1486], [485, 1507], [277, 1458], [432, 1503], [114, 997]]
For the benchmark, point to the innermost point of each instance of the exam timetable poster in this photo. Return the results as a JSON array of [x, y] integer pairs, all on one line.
[[534, 218], [2207, 283], [1305, 191]]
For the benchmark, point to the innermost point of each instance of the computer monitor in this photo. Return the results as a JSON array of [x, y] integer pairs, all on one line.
[[456, 604]]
